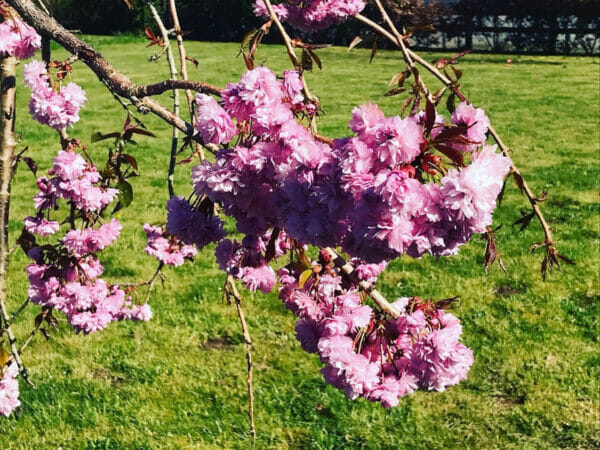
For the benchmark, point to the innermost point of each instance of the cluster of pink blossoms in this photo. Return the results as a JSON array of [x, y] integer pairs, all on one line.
[[167, 248], [247, 261], [57, 109], [66, 276], [311, 15], [372, 193], [368, 354], [18, 39], [361, 192], [9, 391], [188, 227]]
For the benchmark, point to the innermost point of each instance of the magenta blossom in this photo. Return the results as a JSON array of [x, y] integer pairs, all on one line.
[[58, 110], [477, 124], [18, 39], [213, 123], [312, 14], [166, 248]]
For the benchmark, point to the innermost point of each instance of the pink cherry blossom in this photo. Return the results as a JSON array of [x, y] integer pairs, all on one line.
[[213, 123], [9, 391]]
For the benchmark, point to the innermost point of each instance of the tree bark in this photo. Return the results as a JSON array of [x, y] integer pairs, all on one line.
[[8, 69], [7, 151]]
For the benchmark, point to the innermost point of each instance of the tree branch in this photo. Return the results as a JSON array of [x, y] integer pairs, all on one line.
[[8, 72], [410, 58], [365, 286], [173, 69], [183, 67], [231, 291], [116, 81]]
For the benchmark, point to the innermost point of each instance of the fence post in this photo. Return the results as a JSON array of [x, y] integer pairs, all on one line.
[[468, 32]]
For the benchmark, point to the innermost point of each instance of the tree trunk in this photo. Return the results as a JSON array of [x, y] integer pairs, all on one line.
[[7, 148]]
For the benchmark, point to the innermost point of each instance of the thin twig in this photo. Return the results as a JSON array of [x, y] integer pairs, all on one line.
[[18, 312], [124, 105], [231, 290], [411, 57], [290, 50], [182, 55], [365, 286], [183, 67], [149, 282], [32, 334], [173, 69]]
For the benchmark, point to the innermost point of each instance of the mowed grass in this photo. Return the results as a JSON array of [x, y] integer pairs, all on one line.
[[179, 380]]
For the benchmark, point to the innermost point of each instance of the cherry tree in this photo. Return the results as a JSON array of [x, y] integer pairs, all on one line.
[[333, 212]]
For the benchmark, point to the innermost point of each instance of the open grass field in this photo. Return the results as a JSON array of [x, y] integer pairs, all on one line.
[[179, 380]]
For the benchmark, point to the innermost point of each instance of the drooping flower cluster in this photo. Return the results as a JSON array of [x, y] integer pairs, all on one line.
[[167, 248], [363, 192], [57, 108], [379, 194], [18, 39], [66, 276], [247, 261], [311, 15], [191, 224], [72, 179], [368, 354], [9, 391], [188, 226]]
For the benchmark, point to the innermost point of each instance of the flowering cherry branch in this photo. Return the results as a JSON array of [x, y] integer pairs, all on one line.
[[552, 256], [409, 184], [117, 82]]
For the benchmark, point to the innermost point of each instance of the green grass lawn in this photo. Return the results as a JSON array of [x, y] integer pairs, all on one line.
[[179, 380]]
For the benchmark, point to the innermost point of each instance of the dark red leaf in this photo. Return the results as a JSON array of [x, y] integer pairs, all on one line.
[[194, 61], [316, 59], [454, 155], [525, 220], [30, 163], [131, 160], [394, 91], [373, 51], [429, 117]]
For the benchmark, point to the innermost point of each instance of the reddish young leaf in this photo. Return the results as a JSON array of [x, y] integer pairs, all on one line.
[[316, 59], [429, 117], [194, 61], [373, 51]]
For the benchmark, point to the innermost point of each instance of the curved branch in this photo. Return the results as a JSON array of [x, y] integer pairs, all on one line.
[[411, 57], [168, 85], [116, 81]]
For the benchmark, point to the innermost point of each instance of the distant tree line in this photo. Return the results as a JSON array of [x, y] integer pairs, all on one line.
[[496, 25]]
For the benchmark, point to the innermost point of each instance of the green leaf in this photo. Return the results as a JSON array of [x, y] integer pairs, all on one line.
[[125, 193]]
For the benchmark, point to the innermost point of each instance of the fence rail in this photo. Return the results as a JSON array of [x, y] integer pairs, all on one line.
[[561, 35]]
